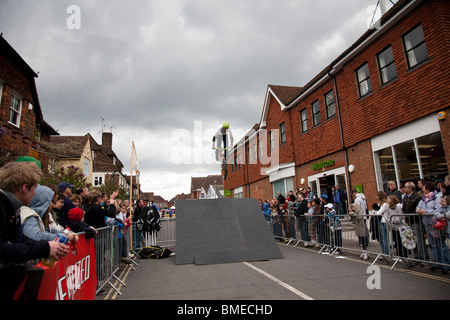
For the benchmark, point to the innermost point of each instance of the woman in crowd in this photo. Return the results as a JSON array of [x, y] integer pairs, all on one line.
[[360, 227], [382, 226], [427, 208], [394, 217]]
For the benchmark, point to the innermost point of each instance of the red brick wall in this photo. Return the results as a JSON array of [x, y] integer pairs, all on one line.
[[361, 157], [414, 94], [320, 140], [445, 134]]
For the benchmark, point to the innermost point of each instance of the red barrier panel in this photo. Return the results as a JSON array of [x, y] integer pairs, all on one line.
[[74, 277]]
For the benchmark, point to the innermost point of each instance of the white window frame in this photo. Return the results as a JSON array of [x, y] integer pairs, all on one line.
[[19, 112]]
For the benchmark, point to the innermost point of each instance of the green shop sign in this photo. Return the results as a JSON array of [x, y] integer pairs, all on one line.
[[323, 164]]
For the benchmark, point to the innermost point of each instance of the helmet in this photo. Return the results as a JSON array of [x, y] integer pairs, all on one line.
[[226, 125]]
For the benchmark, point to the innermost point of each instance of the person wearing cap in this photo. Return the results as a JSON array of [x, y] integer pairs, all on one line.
[[66, 189], [29, 159], [335, 227], [76, 223]]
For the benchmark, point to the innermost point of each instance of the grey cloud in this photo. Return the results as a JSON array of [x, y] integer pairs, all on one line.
[[161, 65]]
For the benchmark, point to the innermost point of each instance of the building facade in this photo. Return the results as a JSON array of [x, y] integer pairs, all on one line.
[[369, 117], [22, 126]]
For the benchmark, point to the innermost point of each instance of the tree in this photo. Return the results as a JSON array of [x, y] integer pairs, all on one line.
[[70, 174]]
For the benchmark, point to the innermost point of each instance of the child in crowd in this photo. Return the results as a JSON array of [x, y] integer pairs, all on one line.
[[76, 200], [335, 227], [282, 212], [76, 223], [276, 223], [122, 216]]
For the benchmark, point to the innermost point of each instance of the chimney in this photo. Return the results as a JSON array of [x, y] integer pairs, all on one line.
[[107, 140]]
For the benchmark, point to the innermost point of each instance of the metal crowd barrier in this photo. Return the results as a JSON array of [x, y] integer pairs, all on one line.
[[107, 256], [165, 237], [382, 241]]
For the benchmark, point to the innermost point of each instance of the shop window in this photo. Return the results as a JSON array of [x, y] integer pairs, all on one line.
[[432, 156], [415, 47], [420, 158], [387, 166], [407, 166], [386, 65], [283, 185]]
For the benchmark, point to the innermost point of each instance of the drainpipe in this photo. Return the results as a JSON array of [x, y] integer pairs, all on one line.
[[338, 111]]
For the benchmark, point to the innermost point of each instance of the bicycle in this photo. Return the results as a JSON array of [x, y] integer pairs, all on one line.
[[222, 155]]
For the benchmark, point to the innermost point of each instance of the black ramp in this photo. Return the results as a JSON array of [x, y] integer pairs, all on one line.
[[221, 231]]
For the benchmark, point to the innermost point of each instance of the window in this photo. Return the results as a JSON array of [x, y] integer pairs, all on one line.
[[316, 113], [15, 111], [271, 140], [387, 66], [304, 120], [261, 150], [98, 181], [282, 185], [363, 78], [415, 47], [329, 104], [432, 156], [282, 133], [411, 160], [87, 165]]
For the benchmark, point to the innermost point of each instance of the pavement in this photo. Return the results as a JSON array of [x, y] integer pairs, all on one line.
[[303, 274]]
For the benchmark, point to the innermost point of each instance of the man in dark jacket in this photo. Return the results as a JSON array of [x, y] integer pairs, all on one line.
[[138, 217], [410, 202], [302, 208]]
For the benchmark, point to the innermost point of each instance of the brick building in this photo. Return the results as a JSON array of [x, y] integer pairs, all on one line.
[[373, 110], [21, 118]]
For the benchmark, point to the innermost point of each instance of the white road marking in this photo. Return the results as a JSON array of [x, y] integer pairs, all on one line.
[[281, 283]]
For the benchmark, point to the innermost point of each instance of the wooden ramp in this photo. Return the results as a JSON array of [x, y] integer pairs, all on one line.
[[211, 231]]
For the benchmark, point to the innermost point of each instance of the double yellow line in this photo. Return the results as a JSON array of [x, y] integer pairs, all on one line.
[[123, 276]]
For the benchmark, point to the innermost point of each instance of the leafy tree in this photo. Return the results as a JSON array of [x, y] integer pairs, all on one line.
[[70, 174]]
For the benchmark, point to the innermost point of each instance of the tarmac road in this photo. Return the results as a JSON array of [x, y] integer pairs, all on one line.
[[302, 274]]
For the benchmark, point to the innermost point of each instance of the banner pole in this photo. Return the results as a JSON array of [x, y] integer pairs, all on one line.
[[131, 197]]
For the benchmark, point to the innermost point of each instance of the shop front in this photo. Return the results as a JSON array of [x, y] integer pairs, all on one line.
[[411, 152], [323, 174]]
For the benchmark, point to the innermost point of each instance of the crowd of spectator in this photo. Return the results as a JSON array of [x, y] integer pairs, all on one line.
[[424, 208], [32, 215]]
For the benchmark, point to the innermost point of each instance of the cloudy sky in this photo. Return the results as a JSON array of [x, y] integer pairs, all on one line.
[[165, 74]]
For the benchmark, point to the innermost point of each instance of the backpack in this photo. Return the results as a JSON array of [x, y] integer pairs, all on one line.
[[154, 252]]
